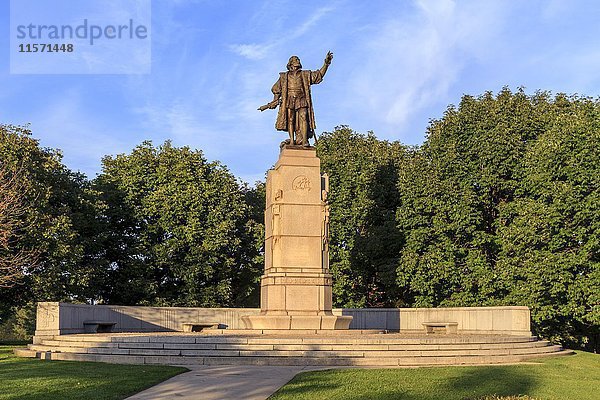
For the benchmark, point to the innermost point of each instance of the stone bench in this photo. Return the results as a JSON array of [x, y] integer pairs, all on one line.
[[451, 327], [98, 326], [200, 326]]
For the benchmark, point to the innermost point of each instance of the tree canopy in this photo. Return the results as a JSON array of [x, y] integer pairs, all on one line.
[[500, 207], [365, 242], [177, 229]]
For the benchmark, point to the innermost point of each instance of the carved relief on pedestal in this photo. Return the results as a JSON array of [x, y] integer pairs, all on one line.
[[325, 226], [276, 226], [325, 239], [520, 320], [301, 184], [303, 281], [278, 195], [324, 187], [47, 316]]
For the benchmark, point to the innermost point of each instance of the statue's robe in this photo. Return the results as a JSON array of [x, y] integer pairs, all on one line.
[[281, 88]]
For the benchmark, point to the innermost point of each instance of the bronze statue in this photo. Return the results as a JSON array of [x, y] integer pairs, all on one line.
[[292, 93]]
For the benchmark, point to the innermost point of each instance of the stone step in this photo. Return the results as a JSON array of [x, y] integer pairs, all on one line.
[[247, 352], [346, 350], [73, 343], [355, 340], [290, 347], [296, 361], [85, 338], [271, 346], [27, 353], [298, 332], [538, 350]]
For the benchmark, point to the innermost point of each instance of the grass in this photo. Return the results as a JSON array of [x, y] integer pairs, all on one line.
[[26, 378], [564, 378]]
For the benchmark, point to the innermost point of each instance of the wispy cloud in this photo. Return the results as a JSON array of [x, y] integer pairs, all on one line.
[[411, 63], [310, 22], [287, 34], [251, 51]]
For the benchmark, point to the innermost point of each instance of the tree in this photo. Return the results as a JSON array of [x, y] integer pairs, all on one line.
[[177, 230], [550, 235], [364, 242], [500, 207], [49, 219], [247, 282], [451, 195], [12, 210]]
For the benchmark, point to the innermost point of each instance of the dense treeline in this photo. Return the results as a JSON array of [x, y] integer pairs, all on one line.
[[499, 206], [158, 226], [177, 230]]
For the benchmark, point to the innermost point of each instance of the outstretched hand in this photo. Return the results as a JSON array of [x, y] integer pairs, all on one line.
[[328, 57], [272, 105]]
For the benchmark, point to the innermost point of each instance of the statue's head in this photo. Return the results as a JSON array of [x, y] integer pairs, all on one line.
[[294, 64]]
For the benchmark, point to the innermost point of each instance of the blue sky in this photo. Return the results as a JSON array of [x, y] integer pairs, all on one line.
[[397, 64]]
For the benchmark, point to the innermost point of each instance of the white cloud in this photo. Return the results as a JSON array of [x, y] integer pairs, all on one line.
[[310, 22], [251, 51], [412, 62], [254, 51]]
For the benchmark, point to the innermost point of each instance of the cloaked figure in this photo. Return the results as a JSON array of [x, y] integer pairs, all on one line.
[[292, 94]]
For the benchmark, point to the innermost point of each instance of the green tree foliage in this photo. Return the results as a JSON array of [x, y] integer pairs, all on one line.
[[177, 230], [56, 222], [451, 193], [500, 206], [247, 282], [550, 236], [364, 242]]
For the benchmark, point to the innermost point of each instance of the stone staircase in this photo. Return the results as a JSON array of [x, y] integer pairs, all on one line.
[[367, 349]]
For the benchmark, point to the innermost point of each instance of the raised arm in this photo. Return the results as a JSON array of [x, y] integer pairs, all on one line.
[[327, 62]]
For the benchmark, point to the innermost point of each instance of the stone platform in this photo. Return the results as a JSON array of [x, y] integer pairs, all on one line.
[[297, 322], [315, 348]]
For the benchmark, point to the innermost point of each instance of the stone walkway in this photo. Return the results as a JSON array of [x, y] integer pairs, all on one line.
[[223, 382]]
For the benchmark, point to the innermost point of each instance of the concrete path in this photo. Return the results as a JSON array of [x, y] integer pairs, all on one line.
[[223, 382]]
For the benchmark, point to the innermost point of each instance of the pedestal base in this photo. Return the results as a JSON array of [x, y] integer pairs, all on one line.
[[295, 293], [291, 322]]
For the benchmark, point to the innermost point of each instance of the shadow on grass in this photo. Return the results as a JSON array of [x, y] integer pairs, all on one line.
[[15, 342], [457, 383], [481, 381], [23, 378]]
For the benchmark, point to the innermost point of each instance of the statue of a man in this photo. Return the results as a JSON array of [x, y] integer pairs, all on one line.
[[292, 93]]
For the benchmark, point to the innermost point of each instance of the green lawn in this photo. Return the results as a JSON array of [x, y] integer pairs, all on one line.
[[564, 378], [26, 378]]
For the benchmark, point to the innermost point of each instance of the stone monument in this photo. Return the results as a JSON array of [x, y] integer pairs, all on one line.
[[296, 285]]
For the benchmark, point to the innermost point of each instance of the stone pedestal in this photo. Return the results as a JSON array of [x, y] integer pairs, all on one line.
[[296, 285]]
